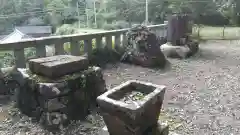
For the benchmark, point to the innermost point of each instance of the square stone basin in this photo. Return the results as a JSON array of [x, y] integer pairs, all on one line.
[[131, 107]]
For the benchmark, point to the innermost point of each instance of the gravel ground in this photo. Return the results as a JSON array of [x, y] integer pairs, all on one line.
[[202, 94]]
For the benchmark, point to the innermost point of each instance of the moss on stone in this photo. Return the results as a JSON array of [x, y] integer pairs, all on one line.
[[42, 79]]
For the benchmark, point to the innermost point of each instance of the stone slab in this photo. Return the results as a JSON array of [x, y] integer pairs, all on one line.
[[57, 66], [160, 129], [172, 51]]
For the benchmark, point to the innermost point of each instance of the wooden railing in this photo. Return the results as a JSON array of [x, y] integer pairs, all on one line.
[[58, 41]]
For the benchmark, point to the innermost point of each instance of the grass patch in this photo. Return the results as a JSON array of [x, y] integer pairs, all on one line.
[[216, 33], [2, 53]]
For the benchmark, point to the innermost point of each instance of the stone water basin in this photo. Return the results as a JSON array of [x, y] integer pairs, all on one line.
[[132, 107]]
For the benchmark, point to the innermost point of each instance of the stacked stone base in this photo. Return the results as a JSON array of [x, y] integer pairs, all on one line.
[[55, 102]]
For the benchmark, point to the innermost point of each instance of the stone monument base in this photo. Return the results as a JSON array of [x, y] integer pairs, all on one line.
[[159, 129]]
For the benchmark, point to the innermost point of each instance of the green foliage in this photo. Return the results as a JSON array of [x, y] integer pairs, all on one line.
[[60, 12], [121, 24], [66, 29], [116, 25], [109, 27], [205, 12], [9, 59], [1, 64]]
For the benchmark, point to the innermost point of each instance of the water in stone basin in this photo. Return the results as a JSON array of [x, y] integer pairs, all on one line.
[[133, 93]]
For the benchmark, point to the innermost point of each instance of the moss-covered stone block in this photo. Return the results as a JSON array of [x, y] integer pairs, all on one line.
[[58, 65], [70, 96]]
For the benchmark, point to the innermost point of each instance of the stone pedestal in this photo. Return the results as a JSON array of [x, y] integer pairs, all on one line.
[[54, 102], [159, 129]]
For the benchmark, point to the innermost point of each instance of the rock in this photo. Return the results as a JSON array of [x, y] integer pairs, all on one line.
[[26, 101], [21, 133], [22, 76], [143, 48], [175, 51], [19, 75], [54, 120], [3, 88], [194, 47], [54, 105], [54, 101], [52, 90], [162, 40], [9, 80], [95, 82], [57, 66]]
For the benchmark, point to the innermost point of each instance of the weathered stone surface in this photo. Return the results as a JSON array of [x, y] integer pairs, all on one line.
[[178, 28], [159, 129], [162, 40], [189, 49], [54, 105], [194, 47], [143, 48], [54, 120], [52, 90], [72, 96], [8, 84], [135, 117], [175, 51], [59, 65]]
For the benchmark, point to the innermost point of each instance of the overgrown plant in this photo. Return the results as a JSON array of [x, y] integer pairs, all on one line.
[[143, 48], [137, 40]]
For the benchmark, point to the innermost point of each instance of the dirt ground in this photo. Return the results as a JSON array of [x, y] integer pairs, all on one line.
[[202, 92]]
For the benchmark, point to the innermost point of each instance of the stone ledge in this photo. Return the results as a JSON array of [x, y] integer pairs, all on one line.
[[59, 65]]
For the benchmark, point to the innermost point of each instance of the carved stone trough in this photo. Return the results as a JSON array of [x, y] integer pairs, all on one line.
[[132, 107]]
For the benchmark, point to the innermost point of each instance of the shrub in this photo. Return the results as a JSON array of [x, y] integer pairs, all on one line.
[[109, 27], [66, 29], [122, 24], [215, 19], [9, 59]]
